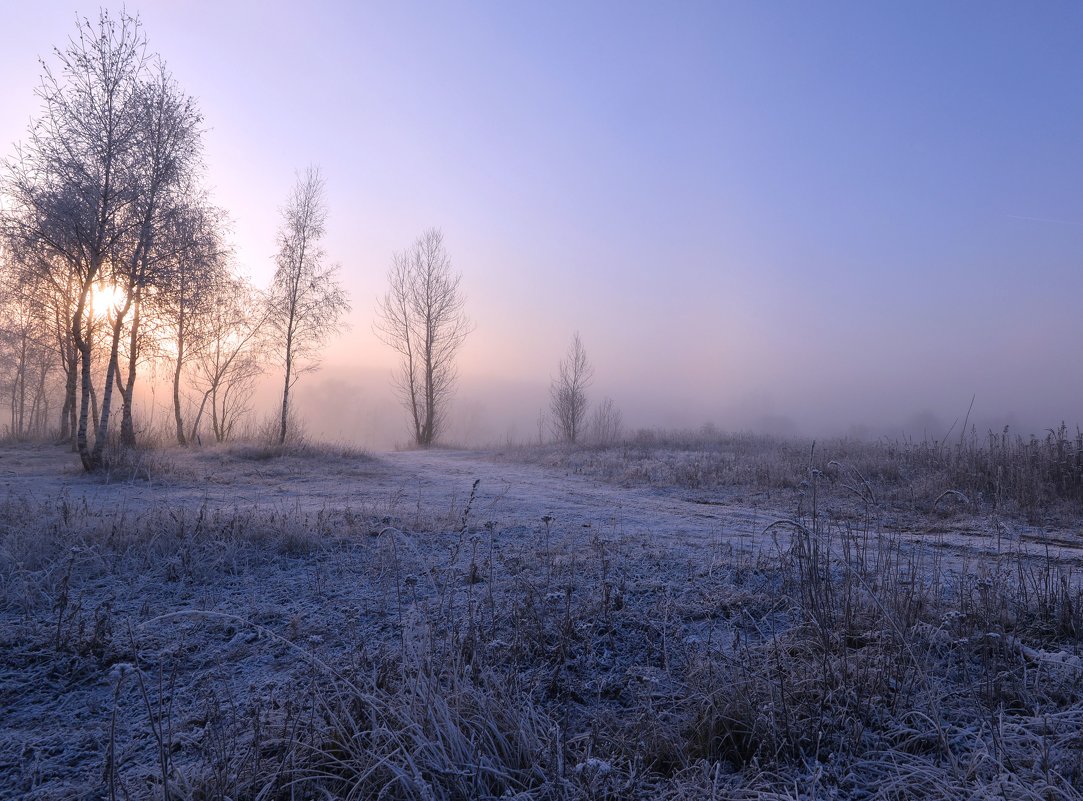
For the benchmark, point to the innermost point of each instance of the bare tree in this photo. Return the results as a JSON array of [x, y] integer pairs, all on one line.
[[186, 307], [422, 317], [111, 158], [58, 298], [306, 304], [164, 236], [70, 185], [568, 392], [229, 363], [606, 423], [47, 295]]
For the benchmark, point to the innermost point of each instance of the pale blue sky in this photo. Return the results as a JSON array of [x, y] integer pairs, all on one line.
[[840, 213]]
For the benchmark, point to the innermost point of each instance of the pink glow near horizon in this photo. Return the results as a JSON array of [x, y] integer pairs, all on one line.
[[771, 216]]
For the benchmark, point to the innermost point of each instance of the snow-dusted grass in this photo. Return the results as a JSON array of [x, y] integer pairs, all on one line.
[[406, 644], [1039, 478]]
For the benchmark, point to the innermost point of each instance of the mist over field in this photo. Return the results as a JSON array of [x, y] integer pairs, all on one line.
[[348, 406], [817, 223], [473, 401]]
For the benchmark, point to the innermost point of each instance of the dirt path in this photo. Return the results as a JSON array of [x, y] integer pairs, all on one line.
[[389, 553], [406, 483], [524, 494], [435, 485]]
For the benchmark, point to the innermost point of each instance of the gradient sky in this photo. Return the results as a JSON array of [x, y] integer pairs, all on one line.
[[757, 214]]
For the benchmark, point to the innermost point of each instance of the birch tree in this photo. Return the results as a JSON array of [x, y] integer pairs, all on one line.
[[168, 147], [187, 306], [70, 183], [306, 303], [113, 153], [163, 235], [27, 360], [36, 339]]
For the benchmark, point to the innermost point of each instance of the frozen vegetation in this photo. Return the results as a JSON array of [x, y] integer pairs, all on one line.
[[655, 616], [673, 617]]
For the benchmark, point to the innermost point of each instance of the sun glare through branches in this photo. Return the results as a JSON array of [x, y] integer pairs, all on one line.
[[105, 298]]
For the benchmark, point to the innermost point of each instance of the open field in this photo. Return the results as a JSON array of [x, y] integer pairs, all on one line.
[[749, 619]]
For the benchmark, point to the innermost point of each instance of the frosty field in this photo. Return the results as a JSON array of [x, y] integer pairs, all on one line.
[[642, 621]]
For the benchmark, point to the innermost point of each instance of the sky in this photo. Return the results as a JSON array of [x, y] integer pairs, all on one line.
[[844, 217]]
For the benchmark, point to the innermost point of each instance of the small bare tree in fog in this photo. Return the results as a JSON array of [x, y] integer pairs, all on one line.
[[306, 302], [230, 361], [607, 423], [422, 318], [568, 392]]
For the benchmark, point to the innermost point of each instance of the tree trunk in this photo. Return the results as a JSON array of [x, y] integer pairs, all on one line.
[[84, 408], [193, 433], [181, 439], [127, 389], [68, 363], [64, 433], [40, 413], [215, 425], [82, 345], [12, 408], [285, 397], [93, 408], [67, 411], [430, 397], [101, 435], [430, 404], [20, 377], [289, 369]]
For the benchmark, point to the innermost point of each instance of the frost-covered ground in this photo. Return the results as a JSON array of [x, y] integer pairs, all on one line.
[[451, 624]]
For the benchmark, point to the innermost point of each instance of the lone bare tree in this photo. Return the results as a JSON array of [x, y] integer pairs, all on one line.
[[306, 303], [422, 318], [568, 392]]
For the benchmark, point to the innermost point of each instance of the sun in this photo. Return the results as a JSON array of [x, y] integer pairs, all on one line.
[[105, 298]]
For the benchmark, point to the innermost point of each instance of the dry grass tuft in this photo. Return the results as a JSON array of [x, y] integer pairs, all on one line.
[[1037, 478]]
